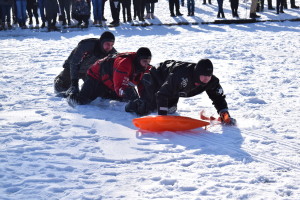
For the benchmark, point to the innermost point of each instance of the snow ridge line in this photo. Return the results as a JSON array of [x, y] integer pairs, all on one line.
[[254, 155], [291, 146]]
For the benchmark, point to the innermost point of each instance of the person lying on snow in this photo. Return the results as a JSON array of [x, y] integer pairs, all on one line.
[[173, 79], [114, 77], [87, 52]]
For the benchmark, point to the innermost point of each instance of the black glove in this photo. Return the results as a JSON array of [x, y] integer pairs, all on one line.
[[226, 119], [138, 106], [74, 89], [130, 94]]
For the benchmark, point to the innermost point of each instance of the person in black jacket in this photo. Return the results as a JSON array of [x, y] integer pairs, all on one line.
[[32, 10], [173, 79], [87, 52], [115, 12]]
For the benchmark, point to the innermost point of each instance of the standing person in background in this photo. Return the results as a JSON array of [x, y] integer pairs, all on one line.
[[115, 12], [191, 7], [270, 6], [52, 9], [139, 6], [32, 10], [279, 6], [103, 6], [97, 11], [135, 8], [253, 14], [204, 2], [234, 4], [81, 12], [1, 27], [42, 12], [14, 13], [21, 13], [5, 8], [293, 4], [126, 10], [220, 9], [260, 5], [65, 9], [172, 4], [150, 5]]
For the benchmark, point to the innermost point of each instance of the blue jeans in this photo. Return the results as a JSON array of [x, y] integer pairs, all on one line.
[[191, 6], [97, 9], [42, 10], [21, 11]]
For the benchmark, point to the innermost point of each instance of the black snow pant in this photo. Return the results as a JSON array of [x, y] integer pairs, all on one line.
[[91, 89], [126, 9], [172, 4], [139, 8], [32, 10], [279, 6], [234, 7], [65, 8], [63, 81], [115, 11]]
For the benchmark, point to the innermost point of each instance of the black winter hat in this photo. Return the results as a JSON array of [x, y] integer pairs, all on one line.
[[143, 53], [204, 67], [107, 37]]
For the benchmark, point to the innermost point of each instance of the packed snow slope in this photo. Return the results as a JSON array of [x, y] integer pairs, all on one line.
[[49, 150]]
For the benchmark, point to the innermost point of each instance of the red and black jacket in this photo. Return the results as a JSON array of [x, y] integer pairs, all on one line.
[[118, 72]]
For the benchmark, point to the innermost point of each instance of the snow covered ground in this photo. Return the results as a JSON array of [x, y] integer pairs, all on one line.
[[49, 150]]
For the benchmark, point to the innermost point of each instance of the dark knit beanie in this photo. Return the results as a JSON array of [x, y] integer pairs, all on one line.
[[143, 53], [204, 67], [107, 37]]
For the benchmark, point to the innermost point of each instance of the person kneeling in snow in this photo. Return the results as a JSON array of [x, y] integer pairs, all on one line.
[[114, 77], [87, 52], [173, 79]]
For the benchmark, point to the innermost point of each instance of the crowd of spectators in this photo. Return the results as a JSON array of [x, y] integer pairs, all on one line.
[[48, 13]]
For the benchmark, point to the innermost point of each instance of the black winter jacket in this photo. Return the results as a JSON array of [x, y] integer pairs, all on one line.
[[87, 52], [179, 81]]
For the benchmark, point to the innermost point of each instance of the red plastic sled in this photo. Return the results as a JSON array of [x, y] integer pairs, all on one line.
[[168, 123]]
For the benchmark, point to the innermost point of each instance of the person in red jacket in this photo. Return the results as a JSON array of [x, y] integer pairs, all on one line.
[[114, 77]]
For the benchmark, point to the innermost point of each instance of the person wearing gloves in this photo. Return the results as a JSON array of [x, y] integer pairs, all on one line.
[[87, 52], [174, 79], [114, 77]]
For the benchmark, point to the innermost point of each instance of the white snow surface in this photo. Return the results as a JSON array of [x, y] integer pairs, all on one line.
[[49, 150]]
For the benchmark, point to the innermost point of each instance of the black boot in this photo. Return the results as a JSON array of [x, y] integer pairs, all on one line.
[[9, 26], [2, 26], [236, 14], [223, 16], [30, 21], [254, 15], [79, 23]]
